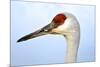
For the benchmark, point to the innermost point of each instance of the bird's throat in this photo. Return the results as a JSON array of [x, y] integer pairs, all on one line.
[[72, 48]]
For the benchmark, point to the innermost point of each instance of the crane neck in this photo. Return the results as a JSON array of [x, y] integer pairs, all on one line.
[[72, 47]]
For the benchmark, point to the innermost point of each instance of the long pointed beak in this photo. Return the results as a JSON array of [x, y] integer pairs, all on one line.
[[45, 30]]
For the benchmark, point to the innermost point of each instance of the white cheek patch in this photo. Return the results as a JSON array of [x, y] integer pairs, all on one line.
[[64, 27]]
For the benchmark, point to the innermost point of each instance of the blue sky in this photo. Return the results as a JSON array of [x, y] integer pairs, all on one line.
[[27, 17]]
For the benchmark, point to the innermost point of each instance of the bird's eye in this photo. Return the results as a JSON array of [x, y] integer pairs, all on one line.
[[45, 30]]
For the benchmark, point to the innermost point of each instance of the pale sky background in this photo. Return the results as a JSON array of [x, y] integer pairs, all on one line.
[[26, 17]]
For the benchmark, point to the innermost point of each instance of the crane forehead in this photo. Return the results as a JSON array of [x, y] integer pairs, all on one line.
[[59, 19]]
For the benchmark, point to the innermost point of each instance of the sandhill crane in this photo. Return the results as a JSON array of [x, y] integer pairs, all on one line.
[[64, 24]]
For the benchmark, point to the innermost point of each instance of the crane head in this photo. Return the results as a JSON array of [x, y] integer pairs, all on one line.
[[62, 23]]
